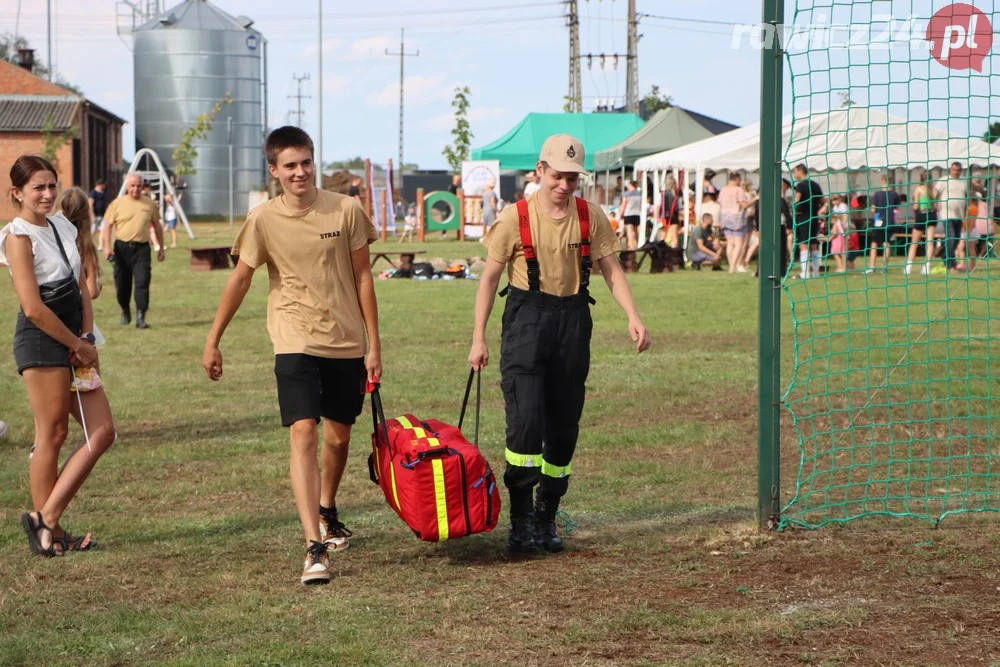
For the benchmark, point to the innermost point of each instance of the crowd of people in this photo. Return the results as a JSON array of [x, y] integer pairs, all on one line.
[[948, 218]]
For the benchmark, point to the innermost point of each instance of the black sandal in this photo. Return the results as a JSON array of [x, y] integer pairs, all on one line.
[[74, 543], [32, 529]]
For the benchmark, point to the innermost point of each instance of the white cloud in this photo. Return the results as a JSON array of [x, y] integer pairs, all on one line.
[[329, 46], [442, 122], [447, 120], [334, 84], [419, 90], [370, 47]]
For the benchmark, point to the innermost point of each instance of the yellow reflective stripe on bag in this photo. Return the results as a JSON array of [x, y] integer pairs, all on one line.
[[440, 498], [392, 479]]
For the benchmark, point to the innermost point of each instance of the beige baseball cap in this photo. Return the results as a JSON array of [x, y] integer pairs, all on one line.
[[563, 152]]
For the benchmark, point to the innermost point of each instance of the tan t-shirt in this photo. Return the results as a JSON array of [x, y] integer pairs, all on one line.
[[131, 218], [557, 246], [312, 306]]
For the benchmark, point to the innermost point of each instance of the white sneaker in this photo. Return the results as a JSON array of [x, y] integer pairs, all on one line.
[[907, 269], [926, 270], [316, 569], [869, 271], [3, 428]]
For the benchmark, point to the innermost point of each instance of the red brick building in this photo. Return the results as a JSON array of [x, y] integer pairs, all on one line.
[[27, 103]]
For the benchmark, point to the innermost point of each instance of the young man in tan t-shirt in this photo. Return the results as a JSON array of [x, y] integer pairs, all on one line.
[[545, 344], [131, 217], [320, 305]]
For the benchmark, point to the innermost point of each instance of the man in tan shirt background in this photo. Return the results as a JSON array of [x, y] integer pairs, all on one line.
[[131, 217]]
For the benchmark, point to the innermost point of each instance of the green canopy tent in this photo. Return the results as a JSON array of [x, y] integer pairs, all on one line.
[[666, 130], [519, 148]]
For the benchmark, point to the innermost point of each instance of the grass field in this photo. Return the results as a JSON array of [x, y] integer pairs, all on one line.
[[201, 546]]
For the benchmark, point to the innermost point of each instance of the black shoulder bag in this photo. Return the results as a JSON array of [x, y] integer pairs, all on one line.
[[63, 296]]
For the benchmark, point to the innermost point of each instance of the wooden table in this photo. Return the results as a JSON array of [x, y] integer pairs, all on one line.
[[405, 257], [215, 257]]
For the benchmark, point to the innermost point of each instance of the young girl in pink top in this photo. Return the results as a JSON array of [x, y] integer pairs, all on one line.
[[838, 232]]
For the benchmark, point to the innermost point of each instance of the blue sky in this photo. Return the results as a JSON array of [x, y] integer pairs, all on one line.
[[513, 60], [513, 55]]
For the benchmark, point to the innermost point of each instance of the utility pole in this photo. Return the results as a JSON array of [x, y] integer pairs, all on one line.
[[632, 64], [319, 99], [402, 56], [48, 11], [298, 113], [575, 96]]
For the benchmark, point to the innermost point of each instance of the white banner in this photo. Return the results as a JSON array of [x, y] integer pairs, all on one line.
[[475, 174]]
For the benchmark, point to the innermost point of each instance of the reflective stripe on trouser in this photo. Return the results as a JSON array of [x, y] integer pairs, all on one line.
[[544, 362]]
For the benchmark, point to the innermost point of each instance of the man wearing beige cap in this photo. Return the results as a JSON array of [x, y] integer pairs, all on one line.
[[548, 244]]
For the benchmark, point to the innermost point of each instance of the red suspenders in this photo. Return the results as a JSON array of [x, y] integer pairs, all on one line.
[[524, 226]]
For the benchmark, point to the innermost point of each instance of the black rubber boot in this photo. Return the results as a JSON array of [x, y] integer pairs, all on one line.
[[546, 536], [140, 320], [522, 524], [126, 318]]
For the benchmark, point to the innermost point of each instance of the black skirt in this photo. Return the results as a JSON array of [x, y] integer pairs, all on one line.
[[33, 348]]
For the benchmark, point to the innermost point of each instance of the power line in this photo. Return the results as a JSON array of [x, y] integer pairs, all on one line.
[[689, 20], [684, 29], [432, 12], [78, 17], [285, 31]]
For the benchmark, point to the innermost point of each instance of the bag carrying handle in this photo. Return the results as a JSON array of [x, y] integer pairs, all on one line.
[[378, 415], [465, 401]]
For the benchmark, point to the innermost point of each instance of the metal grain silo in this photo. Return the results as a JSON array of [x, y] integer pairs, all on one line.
[[186, 60]]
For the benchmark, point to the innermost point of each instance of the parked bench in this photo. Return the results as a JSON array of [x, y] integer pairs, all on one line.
[[216, 257], [405, 257]]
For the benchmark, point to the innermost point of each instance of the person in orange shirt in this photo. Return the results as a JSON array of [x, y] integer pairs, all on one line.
[[968, 244]]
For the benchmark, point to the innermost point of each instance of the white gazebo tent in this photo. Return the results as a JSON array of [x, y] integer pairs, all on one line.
[[839, 140]]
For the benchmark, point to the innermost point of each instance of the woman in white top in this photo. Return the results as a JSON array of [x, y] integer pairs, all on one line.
[[51, 337]]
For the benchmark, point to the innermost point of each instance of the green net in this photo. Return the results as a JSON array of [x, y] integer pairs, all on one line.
[[891, 396]]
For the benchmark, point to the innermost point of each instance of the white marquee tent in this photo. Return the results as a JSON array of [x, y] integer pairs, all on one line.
[[840, 140]]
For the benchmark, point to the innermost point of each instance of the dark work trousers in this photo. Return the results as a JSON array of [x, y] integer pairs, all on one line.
[[953, 234], [544, 362], [132, 260]]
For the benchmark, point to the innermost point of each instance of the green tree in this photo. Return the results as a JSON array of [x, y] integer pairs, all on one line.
[[568, 104], [655, 100], [992, 133], [351, 163], [52, 141], [186, 152], [462, 133], [9, 45]]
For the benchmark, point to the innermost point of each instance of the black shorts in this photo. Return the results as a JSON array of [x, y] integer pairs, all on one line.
[[312, 387], [632, 220], [807, 231], [876, 236], [925, 220]]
